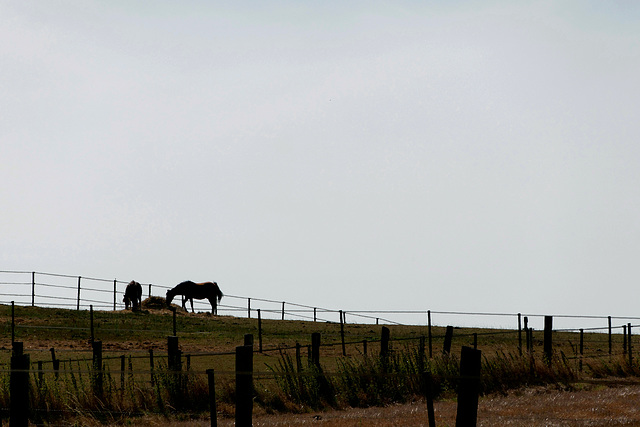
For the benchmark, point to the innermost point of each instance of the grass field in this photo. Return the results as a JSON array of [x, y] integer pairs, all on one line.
[[209, 342]]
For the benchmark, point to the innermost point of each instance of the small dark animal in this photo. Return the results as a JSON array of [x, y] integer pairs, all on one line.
[[133, 295], [191, 290]]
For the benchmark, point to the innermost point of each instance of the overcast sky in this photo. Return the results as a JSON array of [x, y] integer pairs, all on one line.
[[404, 155]]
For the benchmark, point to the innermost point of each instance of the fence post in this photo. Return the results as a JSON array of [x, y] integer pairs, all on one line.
[[19, 387], [314, 314], [624, 340], [55, 362], [429, 332], [259, 331], [298, 358], [114, 293], [467, 411], [526, 333], [248, 340], [421, 346], [581, 346], [344, 349], [282, 310], [149, 290], [448, 337], [428, 380], [96, 346], [212, 398], [520, 334], [33, 288], [610, 343], [78, 305], [548, 339], [384, 342], [315, 348], [244, 386], [13, 322], [174, 321], [248, 308], [629, 342], [175, 355], [91, 321]]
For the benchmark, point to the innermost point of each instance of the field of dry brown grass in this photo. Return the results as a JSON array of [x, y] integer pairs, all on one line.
[[534, 407], [67, 331]]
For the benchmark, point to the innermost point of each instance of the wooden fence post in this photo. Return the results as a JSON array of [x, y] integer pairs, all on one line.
[[448, 337], [248, 340], [78, 305], [421, 348], [175, 332], [244, 386], [429, 332], [259, 332], [520, 334], [526, 332], [469, 389], [33, 289], [610, 342], [428, 380], [174, 354], [298, 358], [315, 349], [248, 308], [19, 387], [344, 349], [91, 321], [55, 362], [115, 291], [282, 310], [314, 314], [96, 346], [581, 347], [212, 398], [548, 339], [13, 322], [629, 343]]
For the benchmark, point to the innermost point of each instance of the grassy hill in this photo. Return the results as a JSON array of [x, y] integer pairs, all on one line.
[[284, 379]]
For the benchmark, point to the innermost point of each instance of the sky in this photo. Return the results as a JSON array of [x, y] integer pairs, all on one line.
[[379, 155]]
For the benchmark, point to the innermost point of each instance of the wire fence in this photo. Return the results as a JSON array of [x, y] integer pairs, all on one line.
[[39, 289], [29, 288]]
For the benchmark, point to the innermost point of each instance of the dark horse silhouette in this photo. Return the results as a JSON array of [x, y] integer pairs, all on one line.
[[133, 295], [191, 290]]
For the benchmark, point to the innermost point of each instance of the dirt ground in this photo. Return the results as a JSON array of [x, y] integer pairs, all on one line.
[[538, 407]]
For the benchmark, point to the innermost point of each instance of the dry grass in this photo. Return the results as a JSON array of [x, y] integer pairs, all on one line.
[[533, 407]]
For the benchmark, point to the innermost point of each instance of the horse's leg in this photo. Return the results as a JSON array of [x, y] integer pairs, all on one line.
[[192, 306]]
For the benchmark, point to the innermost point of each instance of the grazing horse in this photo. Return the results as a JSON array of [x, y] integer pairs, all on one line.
[[190, 290], [133, 295]]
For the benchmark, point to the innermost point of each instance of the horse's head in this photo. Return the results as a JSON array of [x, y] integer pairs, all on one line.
[[170, 296]]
